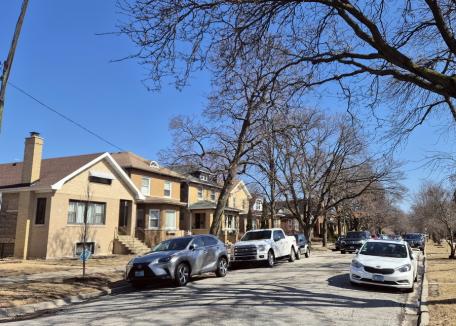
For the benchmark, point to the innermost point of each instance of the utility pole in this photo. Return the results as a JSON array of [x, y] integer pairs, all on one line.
[[9, 60]]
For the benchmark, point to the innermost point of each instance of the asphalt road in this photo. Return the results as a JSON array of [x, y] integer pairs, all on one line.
[[312, 291]]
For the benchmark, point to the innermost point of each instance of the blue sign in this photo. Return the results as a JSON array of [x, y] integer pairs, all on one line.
[[85, 255]]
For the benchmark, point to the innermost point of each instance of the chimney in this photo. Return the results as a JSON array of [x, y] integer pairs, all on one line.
[[31, 167]]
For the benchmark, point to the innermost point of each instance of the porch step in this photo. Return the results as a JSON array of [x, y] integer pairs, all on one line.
[[134, 245]]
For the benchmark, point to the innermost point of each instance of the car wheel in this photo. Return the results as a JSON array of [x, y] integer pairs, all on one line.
[[182, 274], [292, 255], [298, 254], [222, 267], [342, 252], [307, 254], [270, 261]]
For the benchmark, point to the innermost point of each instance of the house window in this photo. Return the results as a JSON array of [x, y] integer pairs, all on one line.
[[167, 192], [40, 210], [258, 205], [234, 202], [290, 224], [145, 186], [170, 220], [96, 212], [199, 221], [200, 193], [243, 204], [230, 222], [88, 245], [203, 177], [212, 195], [154, 218], [254, 224], [104, 181]]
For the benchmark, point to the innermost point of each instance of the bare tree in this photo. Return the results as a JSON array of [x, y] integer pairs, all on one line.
[[397, 53], [435, 208], [322, 162]]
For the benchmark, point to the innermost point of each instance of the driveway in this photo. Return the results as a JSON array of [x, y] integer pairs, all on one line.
[[312, 291]]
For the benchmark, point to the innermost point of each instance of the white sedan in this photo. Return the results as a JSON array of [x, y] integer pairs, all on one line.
[[386, 263]]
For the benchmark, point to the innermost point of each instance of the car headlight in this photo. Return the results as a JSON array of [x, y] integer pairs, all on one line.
[[356, 264], [165, 259], [404, 268], [261, 248]]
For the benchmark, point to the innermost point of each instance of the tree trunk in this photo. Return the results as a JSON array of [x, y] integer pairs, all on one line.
[[325, 232]]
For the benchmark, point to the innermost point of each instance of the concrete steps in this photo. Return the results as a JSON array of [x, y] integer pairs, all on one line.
[[133, 245]]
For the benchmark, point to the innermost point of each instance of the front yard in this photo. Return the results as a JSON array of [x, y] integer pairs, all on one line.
[[442, 285], [32, 281]]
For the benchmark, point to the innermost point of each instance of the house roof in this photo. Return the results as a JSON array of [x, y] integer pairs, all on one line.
[[206, 204], [52, 170], [188, 170], [129, 160]]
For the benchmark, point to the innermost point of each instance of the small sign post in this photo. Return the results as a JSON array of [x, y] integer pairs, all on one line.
[[85, 255]]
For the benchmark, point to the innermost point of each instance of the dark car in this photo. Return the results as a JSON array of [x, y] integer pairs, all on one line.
[[178, 259], [354, 240], [303, 244], [415, 240], [339, 241]]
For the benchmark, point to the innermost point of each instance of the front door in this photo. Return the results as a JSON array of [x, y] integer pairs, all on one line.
[[124, 217]]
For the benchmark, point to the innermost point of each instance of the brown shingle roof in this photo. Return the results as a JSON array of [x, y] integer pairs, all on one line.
[[130, 160], [52, 170]]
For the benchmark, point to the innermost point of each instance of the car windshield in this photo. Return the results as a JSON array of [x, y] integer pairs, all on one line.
[[172, 244], [257, 235], [355, 235], [413, 236], [384, 249]]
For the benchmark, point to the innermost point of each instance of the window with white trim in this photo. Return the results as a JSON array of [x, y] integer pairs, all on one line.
[[170, 220], [234, 202], [258, 205], [203, 177], [96, 212], [200, 193], [213, 195], [167, 189], [154, 218], [230, 222], [145, 186]]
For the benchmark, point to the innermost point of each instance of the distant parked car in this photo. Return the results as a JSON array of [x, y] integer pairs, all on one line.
[[383, 237], [354, 241], [303, 244], [386, 263], [415, 240], [179, 259], [338, 241], [395, 237]]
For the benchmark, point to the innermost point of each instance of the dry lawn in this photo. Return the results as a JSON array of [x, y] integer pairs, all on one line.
[[441, 276]]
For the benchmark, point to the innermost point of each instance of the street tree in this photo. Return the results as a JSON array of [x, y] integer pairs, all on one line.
[[395, 59]]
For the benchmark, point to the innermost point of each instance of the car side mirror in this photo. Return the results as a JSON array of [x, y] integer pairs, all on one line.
[[276, 239], [356, 251], [192, 247]]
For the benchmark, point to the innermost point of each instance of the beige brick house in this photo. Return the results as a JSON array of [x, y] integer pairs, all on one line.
[[43, 202]]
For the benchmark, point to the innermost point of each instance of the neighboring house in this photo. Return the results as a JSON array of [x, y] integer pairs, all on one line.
[[252, 220], [43, 203], [158, 213]]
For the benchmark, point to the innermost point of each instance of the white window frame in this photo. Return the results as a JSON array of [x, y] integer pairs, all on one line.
[[146, 193], [258, 204], [213, 195], [203, 177], [200, 193], [170, 184], [174, 226], [149, 219], [230, 226]]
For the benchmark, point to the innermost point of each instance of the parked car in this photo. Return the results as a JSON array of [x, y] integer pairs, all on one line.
[[338, 242], [386, 263], [383, 237], [395, 237], [415, 240], [303, 245], [265, 245], [354, 240], [179, 259]]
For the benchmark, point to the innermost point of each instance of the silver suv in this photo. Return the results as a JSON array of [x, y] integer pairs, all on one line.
[[178, 259]]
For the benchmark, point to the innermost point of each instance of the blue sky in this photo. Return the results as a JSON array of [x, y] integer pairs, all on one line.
[[61, 61]]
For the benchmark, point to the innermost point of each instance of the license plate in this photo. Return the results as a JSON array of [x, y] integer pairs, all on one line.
[[379, 278], [139, 273], [352, 247]]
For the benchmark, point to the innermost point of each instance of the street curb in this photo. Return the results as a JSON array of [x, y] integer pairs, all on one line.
[[28, 310], [423, 310]]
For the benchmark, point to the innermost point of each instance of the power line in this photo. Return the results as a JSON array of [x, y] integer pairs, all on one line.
[[44, 105]]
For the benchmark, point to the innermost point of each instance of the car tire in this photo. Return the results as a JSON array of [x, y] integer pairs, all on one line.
[[307, 254], [182, 274], [270, 260], [298, 254], [292, 257], [222, 267], [342, 252]]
